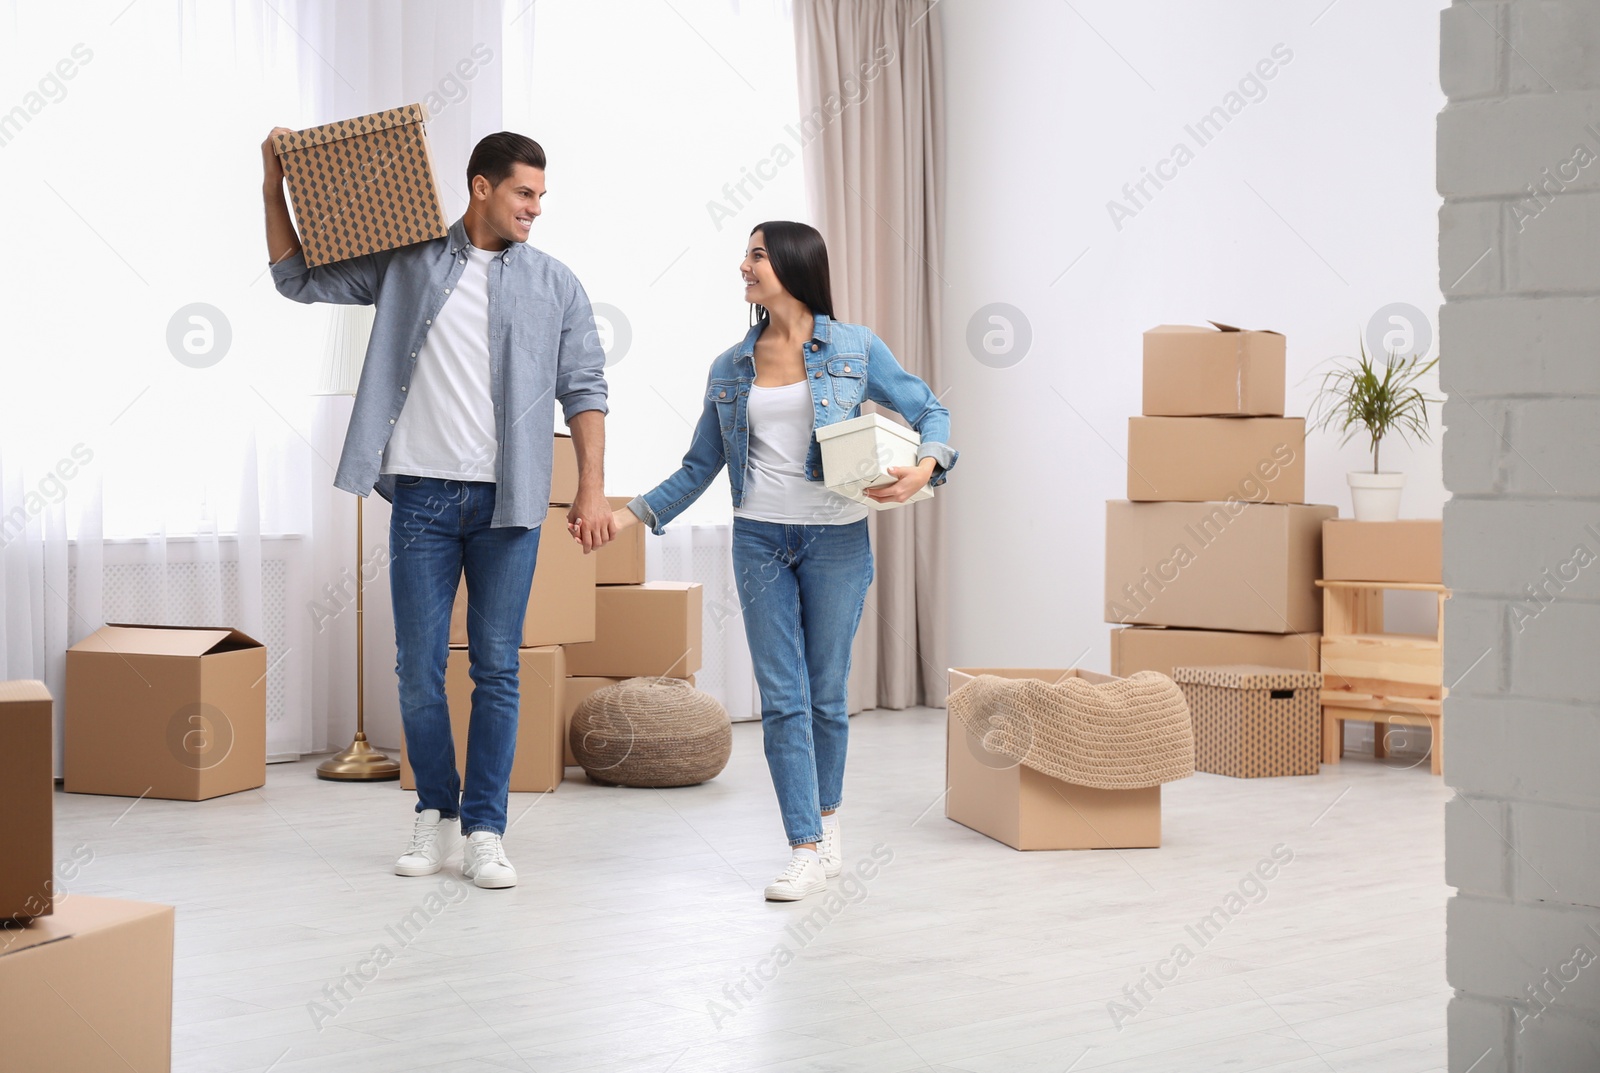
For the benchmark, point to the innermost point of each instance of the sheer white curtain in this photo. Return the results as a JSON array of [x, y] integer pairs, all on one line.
[[158, 455]]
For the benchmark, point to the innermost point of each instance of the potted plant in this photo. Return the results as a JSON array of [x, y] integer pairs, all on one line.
[[1382, 400]]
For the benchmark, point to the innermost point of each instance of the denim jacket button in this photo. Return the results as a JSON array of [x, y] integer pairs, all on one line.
[[722, 394], [847, 368], [815, 347], [824, 402], [819, 374]]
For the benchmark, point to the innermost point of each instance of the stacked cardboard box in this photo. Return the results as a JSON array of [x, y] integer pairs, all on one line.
[[592, 620], [1213, 556]]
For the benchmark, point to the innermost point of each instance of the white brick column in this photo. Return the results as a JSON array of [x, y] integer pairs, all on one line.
[[1519, 264]]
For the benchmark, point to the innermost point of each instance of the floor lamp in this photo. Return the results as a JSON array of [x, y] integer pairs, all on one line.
[[341, 372]]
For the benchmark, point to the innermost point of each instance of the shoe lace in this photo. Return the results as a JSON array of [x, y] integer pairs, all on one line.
[[490, 851], [796, 869], [423, 837]]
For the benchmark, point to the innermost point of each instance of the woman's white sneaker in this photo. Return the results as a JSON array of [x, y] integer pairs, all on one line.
[[803, 877], [484, 861], [830, 847], [432, 839]]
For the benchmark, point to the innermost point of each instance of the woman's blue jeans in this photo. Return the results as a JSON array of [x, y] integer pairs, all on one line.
[[438, 529], [802, 588]]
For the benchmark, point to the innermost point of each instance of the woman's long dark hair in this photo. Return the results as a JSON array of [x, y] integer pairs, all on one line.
[[799, 259]]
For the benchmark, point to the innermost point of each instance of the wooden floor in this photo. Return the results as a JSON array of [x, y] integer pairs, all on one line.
[[638, 939]]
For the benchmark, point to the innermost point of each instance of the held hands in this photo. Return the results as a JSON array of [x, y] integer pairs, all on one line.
[[909, 482], [592, 522]]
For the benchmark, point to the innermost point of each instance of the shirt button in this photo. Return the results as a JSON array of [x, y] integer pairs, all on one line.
[[428, 321], [447, 291], [391, 420], [402, 387]]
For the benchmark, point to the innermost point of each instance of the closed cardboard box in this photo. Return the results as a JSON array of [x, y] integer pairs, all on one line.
[[642, 631], [577, 688], [88, 989], [621, 562], [1026, 809], [1251, 459], [362, 185], [166, 711], [563, 475], [1193, 371], [561, 603], [1407, 550], [1161, 649], [27, 792], [541, 677], [1216, 566], [1254, 722]]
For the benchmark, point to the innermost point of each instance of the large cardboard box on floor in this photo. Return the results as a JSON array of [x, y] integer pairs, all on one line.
[[1026, 809], [1221, 371], [621, 562], [1194, 459], [642, 631], [1254, 722], [88, 989], [561, 602], [362, 185], [542, 677], [1410, 550], [1162, 648], [27, 793], [166, 711], [1217, 566]]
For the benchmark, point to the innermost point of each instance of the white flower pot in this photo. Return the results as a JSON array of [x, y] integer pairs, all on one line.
[[1376, 496]]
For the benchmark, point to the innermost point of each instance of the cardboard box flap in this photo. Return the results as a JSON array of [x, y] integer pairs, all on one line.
[[1221, 327], [348, 128], [146, 640], [1247, 676], [869, 421], [23, 690], [89, 914]]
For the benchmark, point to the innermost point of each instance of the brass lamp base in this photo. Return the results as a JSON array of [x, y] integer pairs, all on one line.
[[359, 763]]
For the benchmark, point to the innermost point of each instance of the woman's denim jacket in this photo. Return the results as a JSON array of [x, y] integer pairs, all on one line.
[[846, 365]]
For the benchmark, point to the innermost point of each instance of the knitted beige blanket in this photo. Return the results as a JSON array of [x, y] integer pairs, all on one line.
[[1119, 735]]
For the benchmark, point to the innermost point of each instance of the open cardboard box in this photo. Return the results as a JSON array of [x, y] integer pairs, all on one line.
[[1026, 809]]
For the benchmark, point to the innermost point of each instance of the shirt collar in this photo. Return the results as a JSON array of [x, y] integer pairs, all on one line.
[[459, 241]]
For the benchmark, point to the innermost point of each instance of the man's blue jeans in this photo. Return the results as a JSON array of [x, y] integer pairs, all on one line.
[[438, 529], [802, 588]]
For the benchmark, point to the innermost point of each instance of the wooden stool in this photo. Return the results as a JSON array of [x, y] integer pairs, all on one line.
[[1377, 677]]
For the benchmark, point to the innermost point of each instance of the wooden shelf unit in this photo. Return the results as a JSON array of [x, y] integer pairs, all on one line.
[[1375, 677]]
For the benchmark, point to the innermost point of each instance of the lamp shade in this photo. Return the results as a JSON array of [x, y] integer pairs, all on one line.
[[349, 328]]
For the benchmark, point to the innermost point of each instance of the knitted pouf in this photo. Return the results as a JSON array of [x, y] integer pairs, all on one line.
[[651, 732]]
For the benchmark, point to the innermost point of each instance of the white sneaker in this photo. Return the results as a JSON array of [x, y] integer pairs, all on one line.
[[432, 839], [484, 861], [831, 847], [803, 877]]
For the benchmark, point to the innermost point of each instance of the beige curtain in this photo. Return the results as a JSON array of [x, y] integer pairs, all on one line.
[[873, 128]]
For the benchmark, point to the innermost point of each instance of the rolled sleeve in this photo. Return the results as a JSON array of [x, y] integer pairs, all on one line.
[[581, 361], [352, 282]]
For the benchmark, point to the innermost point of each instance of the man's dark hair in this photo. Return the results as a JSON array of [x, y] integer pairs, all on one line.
[[799, 259], [497, 155]]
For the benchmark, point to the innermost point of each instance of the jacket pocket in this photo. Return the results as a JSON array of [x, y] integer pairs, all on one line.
[[847, 379]]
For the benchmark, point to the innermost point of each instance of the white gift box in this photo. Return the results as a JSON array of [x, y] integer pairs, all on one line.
[[857, 454]]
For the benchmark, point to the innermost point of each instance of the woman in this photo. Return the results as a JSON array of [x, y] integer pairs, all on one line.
[[800, 552]]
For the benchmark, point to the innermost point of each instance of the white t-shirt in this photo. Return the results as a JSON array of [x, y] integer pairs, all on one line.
[[446, 427], [776, 489]]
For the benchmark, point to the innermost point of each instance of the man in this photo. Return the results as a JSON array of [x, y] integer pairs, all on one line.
[[474, 336]]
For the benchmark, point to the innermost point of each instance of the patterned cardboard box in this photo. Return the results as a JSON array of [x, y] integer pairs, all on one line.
[[1252, 722], [362, 185]]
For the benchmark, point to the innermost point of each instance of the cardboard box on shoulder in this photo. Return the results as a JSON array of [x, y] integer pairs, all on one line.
[[1027, 809], [27, 796], [1220, 566], [362, 185], [177, 712], [542, 677], [561, 606], [1220, 371]]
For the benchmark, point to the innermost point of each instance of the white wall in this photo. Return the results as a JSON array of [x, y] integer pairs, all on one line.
[[1314, 208]]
